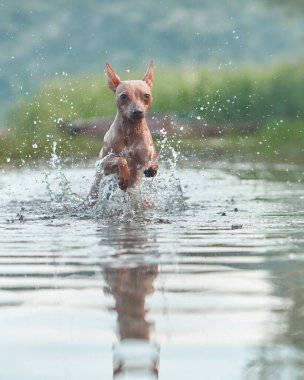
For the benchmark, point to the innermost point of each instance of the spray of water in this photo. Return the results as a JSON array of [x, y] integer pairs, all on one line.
[[58, 187], [151, 197]]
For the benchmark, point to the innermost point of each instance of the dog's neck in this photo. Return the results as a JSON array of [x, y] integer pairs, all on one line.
[[130, 128]]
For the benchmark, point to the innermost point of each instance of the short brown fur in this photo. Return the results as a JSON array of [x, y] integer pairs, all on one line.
[[128, 145]]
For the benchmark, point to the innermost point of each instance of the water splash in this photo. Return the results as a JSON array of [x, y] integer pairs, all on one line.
[[150, 198], [58, 186]]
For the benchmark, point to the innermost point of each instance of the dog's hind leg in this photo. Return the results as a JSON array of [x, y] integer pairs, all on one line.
[[93, 194]]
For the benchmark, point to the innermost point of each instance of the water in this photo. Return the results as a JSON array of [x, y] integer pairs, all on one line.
[[208, 284]]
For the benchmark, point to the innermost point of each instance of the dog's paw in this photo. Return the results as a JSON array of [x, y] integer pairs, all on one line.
[[123, 184], [150, 172], [124, 179]]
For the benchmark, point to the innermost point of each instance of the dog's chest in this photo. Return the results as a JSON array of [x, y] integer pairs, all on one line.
[[130, 152], [127, 141]]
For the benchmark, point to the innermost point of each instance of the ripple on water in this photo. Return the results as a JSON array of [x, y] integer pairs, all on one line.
[[77, 281]]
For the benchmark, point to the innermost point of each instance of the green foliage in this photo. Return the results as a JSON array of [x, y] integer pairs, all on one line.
[[218, 96], [248, 94], [275, 142], [280, 141], [41, 38], [33, 125]]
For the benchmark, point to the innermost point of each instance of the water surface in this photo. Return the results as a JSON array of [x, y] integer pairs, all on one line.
[[208, 284]]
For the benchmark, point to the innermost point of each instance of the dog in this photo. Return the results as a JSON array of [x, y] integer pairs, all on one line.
[[128, 146]]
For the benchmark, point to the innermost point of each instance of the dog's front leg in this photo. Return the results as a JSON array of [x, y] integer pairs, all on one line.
[[118, 165], [150, 164], [147, 156], [124, 173]]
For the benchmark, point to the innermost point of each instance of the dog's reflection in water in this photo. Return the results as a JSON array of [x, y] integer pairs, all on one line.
[[135, 357]]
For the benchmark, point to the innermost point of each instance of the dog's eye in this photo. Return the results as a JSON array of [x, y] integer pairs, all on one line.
[[147, 96], [123, 97]]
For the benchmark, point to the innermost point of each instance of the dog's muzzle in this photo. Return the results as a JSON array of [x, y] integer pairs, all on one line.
[[137, 115]]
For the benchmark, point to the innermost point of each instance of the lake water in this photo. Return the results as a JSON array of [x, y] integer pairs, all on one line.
[[206, 284]]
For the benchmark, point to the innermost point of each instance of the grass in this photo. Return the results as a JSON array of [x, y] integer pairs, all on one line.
[[275, 142], [224, 96], [281, 141]]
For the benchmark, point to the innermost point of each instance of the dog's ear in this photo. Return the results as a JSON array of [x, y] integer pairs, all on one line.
[[148, 78], [113, 78]]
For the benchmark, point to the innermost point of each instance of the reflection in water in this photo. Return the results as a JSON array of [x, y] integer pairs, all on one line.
[[135, 356], [235, 296], [282, 357]]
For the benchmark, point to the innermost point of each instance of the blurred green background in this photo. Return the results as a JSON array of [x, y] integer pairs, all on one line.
[[218, 64]]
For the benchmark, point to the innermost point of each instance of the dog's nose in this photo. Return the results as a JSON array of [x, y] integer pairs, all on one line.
[[137, 114]]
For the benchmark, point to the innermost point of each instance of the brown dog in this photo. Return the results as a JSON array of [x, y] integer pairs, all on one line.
[[128, 145]]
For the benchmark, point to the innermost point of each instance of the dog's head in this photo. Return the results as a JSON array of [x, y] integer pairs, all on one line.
[[133, 97]]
